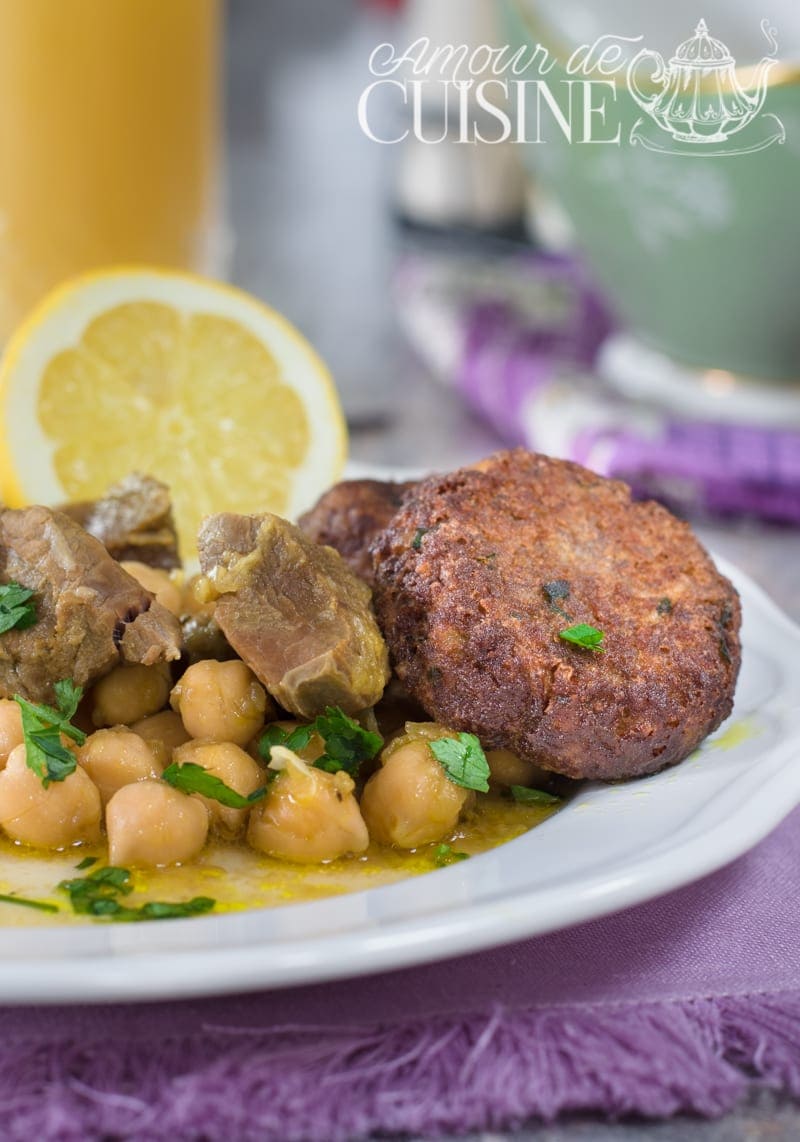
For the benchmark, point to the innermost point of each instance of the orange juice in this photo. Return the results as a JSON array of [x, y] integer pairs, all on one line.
[[109, 128]]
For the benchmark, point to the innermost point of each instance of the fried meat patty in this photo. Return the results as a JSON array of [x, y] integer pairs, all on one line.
[[479, 572], [350, 515]]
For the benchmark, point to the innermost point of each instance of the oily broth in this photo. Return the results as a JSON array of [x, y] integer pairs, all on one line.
[[238, 878]]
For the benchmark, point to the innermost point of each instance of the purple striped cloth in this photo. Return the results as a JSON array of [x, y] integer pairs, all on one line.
[[519, 336], [678, 1005], [514, 377]]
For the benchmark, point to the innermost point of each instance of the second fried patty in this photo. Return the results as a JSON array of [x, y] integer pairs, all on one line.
[[349, 516], [479, 572]]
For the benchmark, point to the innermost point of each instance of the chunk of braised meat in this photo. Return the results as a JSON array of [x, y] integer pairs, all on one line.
[[295, 612], [90, 613], [350, 515], [133, 520]]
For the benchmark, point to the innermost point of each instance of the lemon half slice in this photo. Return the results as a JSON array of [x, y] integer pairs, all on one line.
[[186, 379]]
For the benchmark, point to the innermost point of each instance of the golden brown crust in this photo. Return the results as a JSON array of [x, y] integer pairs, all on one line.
[[461, 593]]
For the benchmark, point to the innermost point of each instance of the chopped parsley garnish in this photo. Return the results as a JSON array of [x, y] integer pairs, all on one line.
[[98, 895], [87, 862], [463, 760], [527, 796], [555, 591], [295, 739], [664, 606], [16, 609], [583, 635], [42, 727], [164, 910], [446, 854], [347, 744], [88, 893], [416, 542], [192, 778], [39, 905]]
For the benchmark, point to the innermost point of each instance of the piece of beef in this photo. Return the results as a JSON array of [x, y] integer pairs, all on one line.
[[90, 614], [133, 520], [350, 515], [295, 612]]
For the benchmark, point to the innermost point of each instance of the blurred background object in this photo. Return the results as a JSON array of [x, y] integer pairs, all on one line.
[[692, 235], [446, 180], [109, 140], [424, 273], [437, 335]]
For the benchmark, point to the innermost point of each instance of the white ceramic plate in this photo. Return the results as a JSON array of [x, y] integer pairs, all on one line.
[[612, 846]]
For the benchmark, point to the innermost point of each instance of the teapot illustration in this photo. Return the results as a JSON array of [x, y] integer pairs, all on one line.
[[700, 99]]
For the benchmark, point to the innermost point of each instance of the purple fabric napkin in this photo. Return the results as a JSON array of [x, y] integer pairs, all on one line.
[[519, 335], [677, 1005], [515, 379]]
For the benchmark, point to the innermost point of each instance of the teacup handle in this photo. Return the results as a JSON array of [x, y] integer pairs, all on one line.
[[658, 76]]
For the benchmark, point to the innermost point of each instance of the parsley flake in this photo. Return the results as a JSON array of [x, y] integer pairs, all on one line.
[[664, 606], [192, 778], [98, 895], [164, 910], [583, 635], [416, 542], [42, 727], [444, 855], [463, 760], [39, 905], [526, 796], [16, 609], [295, 739], [347, 744]]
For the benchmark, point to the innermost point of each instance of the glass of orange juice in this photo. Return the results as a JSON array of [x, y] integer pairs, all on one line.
[[109, 140]]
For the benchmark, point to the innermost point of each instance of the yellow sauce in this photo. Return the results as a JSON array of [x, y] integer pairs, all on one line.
[[238, 878], [739, 732]]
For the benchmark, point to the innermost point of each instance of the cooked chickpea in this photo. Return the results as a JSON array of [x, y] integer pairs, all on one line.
[[221, 700], [118, 757], [10, 728], [129, 693], [165, 727], [64, 814], [150, 824], [508, 769], [308, 815], [411, 801], [232, 765], [158, 582]]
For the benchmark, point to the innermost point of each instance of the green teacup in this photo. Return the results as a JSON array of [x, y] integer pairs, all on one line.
[[691, 220]]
